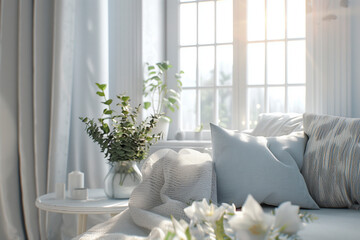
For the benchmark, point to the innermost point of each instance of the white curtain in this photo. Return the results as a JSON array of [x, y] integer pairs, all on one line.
[[51, 54], [328, 88]]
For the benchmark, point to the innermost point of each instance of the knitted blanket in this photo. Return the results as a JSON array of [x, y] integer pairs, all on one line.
[[171, 182]]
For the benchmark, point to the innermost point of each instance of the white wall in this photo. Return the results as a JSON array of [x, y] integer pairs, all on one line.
[[355, 46]]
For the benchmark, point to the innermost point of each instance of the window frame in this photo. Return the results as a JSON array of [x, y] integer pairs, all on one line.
[[239, 85]]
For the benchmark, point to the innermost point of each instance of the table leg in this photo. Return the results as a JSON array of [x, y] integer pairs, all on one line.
[[81, 227]]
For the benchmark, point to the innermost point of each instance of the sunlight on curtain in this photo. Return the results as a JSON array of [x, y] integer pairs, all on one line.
[[329, 57], [51, 55]]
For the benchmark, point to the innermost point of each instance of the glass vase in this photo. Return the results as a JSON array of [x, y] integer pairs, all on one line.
[[121, 180]]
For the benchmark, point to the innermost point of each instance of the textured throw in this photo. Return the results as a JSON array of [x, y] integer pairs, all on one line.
[[332, 160], [171, 181]]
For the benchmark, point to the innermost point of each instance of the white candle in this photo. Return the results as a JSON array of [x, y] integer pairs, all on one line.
[[79, 193], [75, 180]]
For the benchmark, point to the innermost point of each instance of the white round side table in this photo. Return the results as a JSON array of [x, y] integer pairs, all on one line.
[[97, 203]]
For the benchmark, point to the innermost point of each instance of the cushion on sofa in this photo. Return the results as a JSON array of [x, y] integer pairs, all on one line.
[[267, 168], [277, 124], [332, 160]]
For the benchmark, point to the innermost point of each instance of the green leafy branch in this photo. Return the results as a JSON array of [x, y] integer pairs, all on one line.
[[119, 135], [155, 86]]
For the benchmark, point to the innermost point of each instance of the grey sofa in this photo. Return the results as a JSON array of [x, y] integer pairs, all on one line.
[[325, 137], [333, 222]]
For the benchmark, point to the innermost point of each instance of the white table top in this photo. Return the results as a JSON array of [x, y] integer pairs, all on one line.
[[97, 203]]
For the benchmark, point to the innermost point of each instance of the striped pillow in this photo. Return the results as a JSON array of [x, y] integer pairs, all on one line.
[[332, 160]]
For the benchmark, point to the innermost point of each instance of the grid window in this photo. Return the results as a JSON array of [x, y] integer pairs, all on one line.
[[275, 57], [240, 58], [206, 57]]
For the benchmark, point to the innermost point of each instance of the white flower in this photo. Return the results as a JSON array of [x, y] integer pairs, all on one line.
[[287, 218], [251, 222], [180, 228], [229, 209], [156, 233], [202, 231], [203, 212]]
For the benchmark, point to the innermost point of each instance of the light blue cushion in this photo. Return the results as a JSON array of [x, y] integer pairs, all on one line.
[[267, 168]]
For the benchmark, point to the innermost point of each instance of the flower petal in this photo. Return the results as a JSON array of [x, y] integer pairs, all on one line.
[[252, 208], [287, 218]]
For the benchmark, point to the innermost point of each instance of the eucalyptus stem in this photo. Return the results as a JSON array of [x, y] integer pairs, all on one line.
[[160, 101], [152, 101], [121, 137]]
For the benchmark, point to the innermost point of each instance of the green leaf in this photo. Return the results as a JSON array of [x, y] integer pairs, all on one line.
[[125, 98], [172, 100], [108, 111], [151, 68], [169, 236], [171, 108], [108, 102], [187, 233], [306, 217], [105, 128], [101, 94], [102, 87], [180, 83], [173, 93], [156, 78], [163, 66], [219, 230], [84, 119], [147, 105]]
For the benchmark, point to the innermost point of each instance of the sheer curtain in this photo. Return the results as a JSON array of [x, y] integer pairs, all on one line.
[[51, 54], [328, 57]]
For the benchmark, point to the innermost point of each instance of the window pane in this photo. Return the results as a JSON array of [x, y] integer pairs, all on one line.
[[296, 99], [256, 63], [224, 21], [188, 65], [224, 61], [276, 99], [188, 24], [255, 105], [255, 20], [225, 107], [296, 69], [206, 66], [275, 19], [206, 22], [206, 107], [188, 109], [296, 18], [276, 63]]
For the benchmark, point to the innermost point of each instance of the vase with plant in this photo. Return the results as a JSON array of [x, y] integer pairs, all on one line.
[[161, 97], [123, 140]]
